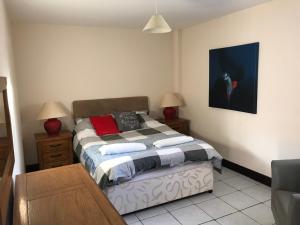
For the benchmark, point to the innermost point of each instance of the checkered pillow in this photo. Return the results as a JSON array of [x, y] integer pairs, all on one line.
[[127, 121]]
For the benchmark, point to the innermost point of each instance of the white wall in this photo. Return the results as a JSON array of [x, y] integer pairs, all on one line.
[[6, 70], [249, 140], [69, 63]]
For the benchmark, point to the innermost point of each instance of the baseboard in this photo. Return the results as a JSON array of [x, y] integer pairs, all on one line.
[[32, 168], [247, 172]]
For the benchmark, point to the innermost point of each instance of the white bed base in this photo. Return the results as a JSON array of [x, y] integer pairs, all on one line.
[[161, 186]]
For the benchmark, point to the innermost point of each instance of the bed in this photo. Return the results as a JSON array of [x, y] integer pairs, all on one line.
[[137, 180]]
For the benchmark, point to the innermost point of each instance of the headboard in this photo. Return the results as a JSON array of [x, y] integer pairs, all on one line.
[[86, 108]]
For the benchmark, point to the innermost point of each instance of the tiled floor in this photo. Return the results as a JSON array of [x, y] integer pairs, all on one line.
[[236, 200]]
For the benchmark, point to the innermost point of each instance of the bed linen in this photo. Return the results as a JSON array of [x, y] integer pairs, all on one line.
[[108, 170]]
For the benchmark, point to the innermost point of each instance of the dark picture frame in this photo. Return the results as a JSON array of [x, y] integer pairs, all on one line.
[[233, 77]]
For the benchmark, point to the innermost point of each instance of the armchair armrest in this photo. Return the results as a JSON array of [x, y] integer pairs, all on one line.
[[285, 175], [294, 209]]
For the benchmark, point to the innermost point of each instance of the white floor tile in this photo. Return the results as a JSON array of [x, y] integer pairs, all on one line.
[[177, 204], [216, 208], [130, 218], [217, 176], [236, 219], [268, 203], [259, 192], [211, 223], [135, 223], [239, 182], [239, 200], [201, 197], [260, 213], [222, 189], [226, 173], [265, 186], [191, 215], [151, 212], [215, 180], [164, 219], [247, 178], [229, 171]]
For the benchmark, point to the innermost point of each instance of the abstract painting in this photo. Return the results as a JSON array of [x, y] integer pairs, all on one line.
[[233, 75]]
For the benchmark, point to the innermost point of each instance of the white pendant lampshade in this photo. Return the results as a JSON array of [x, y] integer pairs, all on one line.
[[157, 25], [52, 110], [170, 100]]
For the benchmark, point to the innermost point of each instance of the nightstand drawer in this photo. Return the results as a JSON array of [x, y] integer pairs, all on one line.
[[55, 164], [179, 124], [60, 145], [176, 126], [55, 156], [54, 151]]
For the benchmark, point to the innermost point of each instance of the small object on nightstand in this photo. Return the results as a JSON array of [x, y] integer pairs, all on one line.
[[54, 151], [170, 102], [50, 112], [180, 125]]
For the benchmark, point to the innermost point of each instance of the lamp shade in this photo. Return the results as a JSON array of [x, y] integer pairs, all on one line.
[[170, 100], [52, 110], [157, 24]]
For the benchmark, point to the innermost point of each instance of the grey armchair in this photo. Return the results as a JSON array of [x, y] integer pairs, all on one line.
[[285, 198]]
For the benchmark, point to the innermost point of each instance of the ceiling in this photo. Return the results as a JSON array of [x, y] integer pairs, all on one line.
[[122, 13]]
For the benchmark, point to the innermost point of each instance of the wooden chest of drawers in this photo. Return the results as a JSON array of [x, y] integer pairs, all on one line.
[[54, 151], [62, 196]]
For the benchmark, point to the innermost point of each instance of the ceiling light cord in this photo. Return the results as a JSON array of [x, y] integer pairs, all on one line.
[[155, 4]]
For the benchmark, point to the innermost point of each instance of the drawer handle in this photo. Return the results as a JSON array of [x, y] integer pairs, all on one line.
[[55, 156], [54, 146]]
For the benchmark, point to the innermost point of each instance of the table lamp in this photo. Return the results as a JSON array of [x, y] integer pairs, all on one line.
[[170, 103], [50, 112]]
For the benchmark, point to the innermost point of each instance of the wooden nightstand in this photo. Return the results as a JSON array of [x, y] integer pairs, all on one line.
[[54, 151], [180, 125]]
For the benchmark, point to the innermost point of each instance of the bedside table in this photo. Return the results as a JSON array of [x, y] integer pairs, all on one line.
[[180, 125], [54, 151]]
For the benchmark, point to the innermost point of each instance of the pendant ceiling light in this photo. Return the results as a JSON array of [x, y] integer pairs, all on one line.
[[157, 24]]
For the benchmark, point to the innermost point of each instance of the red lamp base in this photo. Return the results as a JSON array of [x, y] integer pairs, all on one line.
[[170, 113], [52, 126]]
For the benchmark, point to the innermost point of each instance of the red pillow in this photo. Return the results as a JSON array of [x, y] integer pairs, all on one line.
[[104, 125]]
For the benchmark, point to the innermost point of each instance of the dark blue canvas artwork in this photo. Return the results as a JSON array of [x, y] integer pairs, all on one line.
[[233, 77]]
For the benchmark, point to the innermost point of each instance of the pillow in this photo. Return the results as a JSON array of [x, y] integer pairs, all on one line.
[[104, 125], [144, 112], [127, 121]]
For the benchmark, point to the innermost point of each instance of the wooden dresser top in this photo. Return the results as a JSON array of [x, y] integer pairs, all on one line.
[[62, 196]]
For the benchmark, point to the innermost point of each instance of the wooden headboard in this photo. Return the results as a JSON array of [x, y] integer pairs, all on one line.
[[86, 108]]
